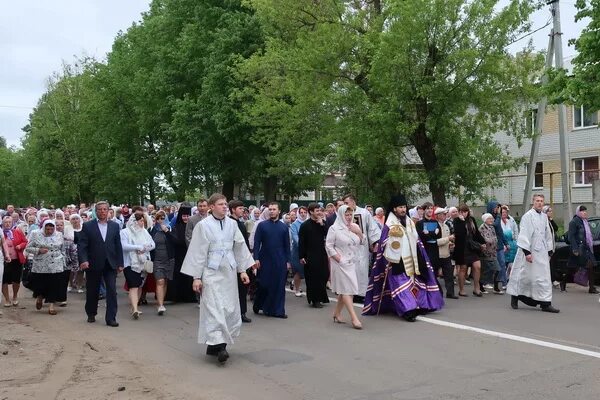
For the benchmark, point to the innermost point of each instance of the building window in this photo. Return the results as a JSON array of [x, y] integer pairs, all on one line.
[[585, 170], [531, 121], [538, 178], [583, 117], [538, 181]]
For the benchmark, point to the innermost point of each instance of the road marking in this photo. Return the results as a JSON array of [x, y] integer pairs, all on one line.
[[507, 336]]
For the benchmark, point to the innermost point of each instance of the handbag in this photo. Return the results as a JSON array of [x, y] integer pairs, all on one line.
[[581, 277], [148, 266], [26, 275]]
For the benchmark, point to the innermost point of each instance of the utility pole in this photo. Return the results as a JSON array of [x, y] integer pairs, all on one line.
[[554, 50]]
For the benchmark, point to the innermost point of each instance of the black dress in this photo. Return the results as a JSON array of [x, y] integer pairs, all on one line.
[[180, 288], [311, 247]]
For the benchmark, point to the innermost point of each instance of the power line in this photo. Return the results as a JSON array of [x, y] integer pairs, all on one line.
[[532, 32], [23, 107]]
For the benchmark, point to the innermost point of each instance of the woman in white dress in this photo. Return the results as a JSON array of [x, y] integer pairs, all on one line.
[[343, 246]]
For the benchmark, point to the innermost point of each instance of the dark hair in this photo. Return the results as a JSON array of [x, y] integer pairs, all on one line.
[[137, 208], [426, 205], [274, 203], [202, 200], [160, 213], [313, 206], [235, 204], [464, 208], [349, 196], [582, 208]]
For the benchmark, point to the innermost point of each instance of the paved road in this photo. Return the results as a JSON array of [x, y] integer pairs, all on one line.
[[309, 357]]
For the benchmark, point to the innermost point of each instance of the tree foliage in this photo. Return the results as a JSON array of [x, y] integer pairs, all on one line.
[[393, 93]]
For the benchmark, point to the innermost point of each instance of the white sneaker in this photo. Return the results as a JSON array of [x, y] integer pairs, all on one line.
[[80, 290], [161, 310], [488, 286], [69, 289], [298, 294]]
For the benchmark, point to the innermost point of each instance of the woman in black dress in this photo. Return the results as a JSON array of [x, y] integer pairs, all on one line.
[[180, 288], [468, 245]]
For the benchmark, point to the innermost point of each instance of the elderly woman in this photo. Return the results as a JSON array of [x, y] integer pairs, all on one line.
[[137, 244], [69, 251], [15, 243], [45, 245], [343, 246], [581, 242], [76, 279], [490, 269]]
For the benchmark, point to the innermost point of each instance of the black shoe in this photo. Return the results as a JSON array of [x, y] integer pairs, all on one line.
[[514, 302], [358, 299], [212, 350], [593, 291], [317, 304], [91, 319], [101, 297], [550, 309], [113, 324], [410, 318], [451, 296], [255, 309], [282, 316], [479, 294], [246, 319], [222, 356]]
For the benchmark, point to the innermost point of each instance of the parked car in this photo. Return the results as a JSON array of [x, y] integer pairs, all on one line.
[[558, 262]]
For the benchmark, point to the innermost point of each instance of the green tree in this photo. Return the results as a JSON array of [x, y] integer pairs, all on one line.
[[392, 93]]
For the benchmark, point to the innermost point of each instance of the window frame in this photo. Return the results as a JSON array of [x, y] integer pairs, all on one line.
[[582, 171], [581, 111]]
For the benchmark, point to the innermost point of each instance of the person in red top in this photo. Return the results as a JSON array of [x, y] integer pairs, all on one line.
[[15, 243]]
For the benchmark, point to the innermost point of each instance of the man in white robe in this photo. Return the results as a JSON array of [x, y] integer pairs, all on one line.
[[372, 232], [217, 253], [530, 280]]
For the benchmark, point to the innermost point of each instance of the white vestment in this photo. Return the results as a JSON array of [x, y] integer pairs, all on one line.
[[532, 279], [371, 231], [217, 253]]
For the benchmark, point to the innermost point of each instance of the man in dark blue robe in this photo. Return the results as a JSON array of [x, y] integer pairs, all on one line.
[[272, 255]]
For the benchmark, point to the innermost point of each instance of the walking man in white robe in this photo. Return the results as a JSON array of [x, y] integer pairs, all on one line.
[[372, 232], [216, 255], [530, 275]]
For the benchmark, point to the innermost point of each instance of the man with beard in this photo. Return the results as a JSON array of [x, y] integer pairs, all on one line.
[[402, 279], [311, 250], [272, 255], [372, 233]]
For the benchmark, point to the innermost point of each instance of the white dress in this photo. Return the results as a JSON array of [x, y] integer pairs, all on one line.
[[217, 253], [372, 233], [343, 274], [533, 279]]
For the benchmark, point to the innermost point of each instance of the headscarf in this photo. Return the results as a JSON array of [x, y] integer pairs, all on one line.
[[179, 227], [299, 217], [8, 233], [47, 221], [264, 215], [340, 221], [545, 209], [413, 213], [586, 226], [486, 216]]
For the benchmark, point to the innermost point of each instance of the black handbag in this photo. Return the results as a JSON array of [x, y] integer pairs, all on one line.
[[26, 276]]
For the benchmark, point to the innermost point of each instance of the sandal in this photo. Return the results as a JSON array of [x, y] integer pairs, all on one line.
[[39, 303], [15, 303]]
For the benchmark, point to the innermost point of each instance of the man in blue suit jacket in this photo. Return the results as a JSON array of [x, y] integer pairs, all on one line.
[[101, 257]]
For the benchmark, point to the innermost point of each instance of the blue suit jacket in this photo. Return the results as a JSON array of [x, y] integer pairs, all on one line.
[[91, 248]]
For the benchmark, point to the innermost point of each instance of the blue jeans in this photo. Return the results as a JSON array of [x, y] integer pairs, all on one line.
[[501, 261]]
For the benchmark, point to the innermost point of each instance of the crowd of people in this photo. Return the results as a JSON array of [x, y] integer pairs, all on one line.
[[219, 254]]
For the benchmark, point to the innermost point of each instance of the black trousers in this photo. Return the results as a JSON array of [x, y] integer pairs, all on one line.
[[533, 303], [448, 271], [243, 293], [92, 285]]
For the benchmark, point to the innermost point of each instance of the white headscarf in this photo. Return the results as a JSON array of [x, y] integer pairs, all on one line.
[[340, 221]]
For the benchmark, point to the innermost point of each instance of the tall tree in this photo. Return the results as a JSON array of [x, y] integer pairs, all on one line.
[[393, 93]]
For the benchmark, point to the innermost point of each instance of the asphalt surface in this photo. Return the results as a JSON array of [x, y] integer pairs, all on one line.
[[307, 356]]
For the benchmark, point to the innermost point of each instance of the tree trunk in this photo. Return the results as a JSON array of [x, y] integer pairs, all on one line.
[[270, 188], [152, 191], [228, 186]]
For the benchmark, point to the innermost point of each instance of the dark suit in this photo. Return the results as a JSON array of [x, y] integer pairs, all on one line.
[[104, 257]]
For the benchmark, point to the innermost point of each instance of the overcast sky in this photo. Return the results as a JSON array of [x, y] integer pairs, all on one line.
[[37, 35]]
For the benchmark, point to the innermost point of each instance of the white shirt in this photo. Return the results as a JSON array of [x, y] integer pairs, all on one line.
[[103, 226]]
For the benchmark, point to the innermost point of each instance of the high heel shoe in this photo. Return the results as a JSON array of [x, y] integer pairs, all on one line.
[[337, 320], [357, 326]]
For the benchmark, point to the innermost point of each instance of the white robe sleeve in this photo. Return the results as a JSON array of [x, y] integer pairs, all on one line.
[[526, 233], [549, 236], [196, 258], [373, 230], [242, 255], [330, 243]]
